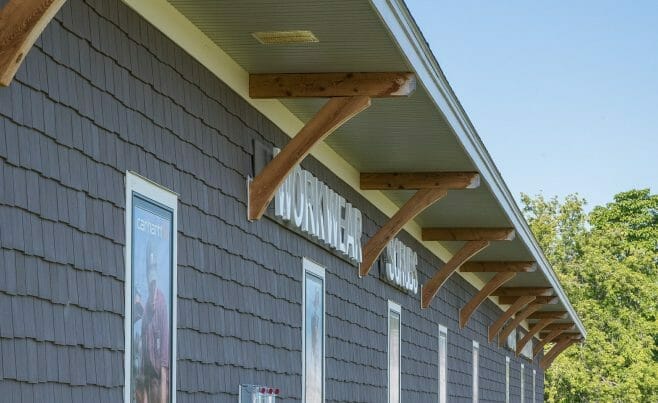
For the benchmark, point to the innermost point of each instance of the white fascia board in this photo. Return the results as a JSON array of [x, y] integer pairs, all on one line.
[[406, 34]]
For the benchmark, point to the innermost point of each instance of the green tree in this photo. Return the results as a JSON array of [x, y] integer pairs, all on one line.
[[607, 262]]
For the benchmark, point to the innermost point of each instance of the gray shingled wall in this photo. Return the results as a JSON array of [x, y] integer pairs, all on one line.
[[103, 92]]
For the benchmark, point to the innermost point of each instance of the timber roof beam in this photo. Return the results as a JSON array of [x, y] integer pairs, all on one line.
[[518, 304], [492, 285], [468, 234], [328, 85], [348, 93], [498, 267], [427, 193], [21, 23]]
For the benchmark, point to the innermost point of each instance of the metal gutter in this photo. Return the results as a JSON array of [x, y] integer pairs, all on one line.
[[408, 37]]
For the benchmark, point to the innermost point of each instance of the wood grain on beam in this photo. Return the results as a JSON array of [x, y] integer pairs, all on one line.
[[518, 318], [432, 286], [540, 300], [555, 351], [518, 304], [333, 114], [549, 314], [324, 85], [493, 284], [498, 267], [562, 326], [521, 291], [21, 23], [468, 234], [532, 332], [418, 202], [420, 180], [546, 339]]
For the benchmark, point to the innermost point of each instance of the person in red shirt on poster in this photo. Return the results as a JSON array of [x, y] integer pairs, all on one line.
[[153, 373]]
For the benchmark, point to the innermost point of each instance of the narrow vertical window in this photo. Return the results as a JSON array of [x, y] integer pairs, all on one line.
[[393, 352], [506, 379], [476, 371], [522, 383], [534, 385], [313, 333], [443, 364], [150, 291]]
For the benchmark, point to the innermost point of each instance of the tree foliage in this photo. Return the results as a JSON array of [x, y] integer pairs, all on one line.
[[607, 262]]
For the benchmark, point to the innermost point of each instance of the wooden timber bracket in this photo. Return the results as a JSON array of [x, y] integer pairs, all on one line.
[[476, 240], [349, 93], [557, 349], [21, 23], [552, 335], [430, 187]]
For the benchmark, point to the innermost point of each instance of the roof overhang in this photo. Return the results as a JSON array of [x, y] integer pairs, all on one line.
[[427, 132]]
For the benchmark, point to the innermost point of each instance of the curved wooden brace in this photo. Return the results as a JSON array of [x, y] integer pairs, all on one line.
[[21, 23], [491, 286], [555, 351], [532, 332], [516, 306], [421, 200], [333, 114], [520, 317], [549, 338], [432, 286]]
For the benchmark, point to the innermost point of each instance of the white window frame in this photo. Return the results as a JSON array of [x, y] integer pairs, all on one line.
[[522, 382], [507, 363], [151, 190], [393, 307], [476, 371], [443, 387], [534, 385], [309, 266]]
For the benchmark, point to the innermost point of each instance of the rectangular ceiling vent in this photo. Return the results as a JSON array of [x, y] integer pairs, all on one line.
[[285, 37]]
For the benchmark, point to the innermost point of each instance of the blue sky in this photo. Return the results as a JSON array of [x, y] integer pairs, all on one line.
[[563, 94]]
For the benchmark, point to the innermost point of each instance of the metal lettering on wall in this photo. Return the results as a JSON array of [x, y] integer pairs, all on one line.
[[401, 262], [310, 205]]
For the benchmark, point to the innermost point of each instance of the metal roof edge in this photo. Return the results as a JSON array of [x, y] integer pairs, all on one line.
[[407, 35]]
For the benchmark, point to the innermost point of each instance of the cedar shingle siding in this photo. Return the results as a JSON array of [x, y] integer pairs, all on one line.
[[103, 92]]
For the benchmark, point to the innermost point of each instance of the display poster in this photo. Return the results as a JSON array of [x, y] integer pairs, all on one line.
[[314, 336], [151, 301]]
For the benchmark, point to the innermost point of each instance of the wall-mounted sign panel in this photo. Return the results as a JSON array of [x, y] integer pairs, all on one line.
[[311, 206], [400, 266]]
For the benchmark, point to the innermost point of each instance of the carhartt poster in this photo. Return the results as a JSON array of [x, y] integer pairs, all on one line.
[[314, 338], [151, 302]]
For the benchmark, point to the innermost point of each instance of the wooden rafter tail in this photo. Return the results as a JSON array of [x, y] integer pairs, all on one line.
[[419, 180], [532, 332], [550, 300], [432, 286], [561, 326], [521, 291], [428, 192], [557, 349], [375, 245], [546, 339], [520, 317], [21, 23], [518, 304], [333, 114], [468, 234], [549, 314], [498, 267], [326, 85], [497, 281]]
